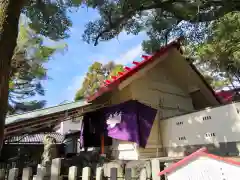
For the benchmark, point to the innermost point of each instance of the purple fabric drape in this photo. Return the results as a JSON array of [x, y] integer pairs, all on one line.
[[126, 128], [130, 121], [146, 117]]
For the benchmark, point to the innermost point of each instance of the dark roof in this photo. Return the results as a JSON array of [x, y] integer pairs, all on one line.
[[34, 138]]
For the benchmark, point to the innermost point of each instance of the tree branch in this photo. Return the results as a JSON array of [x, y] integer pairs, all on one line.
[[175, 7]]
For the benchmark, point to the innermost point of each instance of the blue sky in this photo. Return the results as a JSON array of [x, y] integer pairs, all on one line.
[[67, 69]]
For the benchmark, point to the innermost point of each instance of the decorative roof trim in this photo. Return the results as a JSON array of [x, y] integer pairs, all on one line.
[[110, 84], [200, 152]]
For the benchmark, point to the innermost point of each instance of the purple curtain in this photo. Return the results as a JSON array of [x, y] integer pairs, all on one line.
[[130, 121], [146, 117]]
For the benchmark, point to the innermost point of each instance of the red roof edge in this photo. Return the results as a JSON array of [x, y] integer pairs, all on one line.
[[130, 71], [182, 162], [200, 152]]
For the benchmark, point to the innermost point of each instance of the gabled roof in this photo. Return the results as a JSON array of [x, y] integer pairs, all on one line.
[[34, 121], [43, 112], [113, 83], [198, 153]]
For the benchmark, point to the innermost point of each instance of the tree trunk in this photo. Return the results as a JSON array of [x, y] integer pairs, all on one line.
[[9, 17]]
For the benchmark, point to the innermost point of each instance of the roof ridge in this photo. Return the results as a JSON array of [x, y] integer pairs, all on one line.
[[73, 102], [111, 82], [41, 112], [200, 152]]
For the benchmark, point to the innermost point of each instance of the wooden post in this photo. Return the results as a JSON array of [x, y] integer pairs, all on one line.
[[99, 173], [113, 174], [72, 174], [155, 169], [102, 143], [86, 173], [13, 174], [27, 173], [55, 169], [143, 174], [2, 174], [128, 174]]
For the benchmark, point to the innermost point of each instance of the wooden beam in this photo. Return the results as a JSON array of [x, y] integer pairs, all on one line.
[[36, 124]]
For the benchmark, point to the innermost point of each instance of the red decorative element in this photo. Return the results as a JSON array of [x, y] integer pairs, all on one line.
[[127, 68], [130, 71], [114, 77], [145, 57], [107, 81], [121, 73], [200, 152], [227, 96], [136, 63]]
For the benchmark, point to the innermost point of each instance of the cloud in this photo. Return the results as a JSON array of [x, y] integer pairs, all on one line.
[[76, 81], [124, 58], [75, 84], [130, 55]]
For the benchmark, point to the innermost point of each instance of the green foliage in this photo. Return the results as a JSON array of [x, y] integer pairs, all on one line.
[[217, 82], [28, 70], [95, 76], [49, 18], [221, 50], [203, 24], [192, 33], [214, 46], [114, 72], [152, 16]]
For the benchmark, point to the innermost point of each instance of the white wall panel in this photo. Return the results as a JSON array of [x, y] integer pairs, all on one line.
[[220, 124]]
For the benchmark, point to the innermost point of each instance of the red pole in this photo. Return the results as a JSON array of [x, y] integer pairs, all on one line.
[[102, 144]]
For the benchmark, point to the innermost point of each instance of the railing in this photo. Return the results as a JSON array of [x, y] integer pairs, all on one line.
[[12, 163], [54, 173]]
